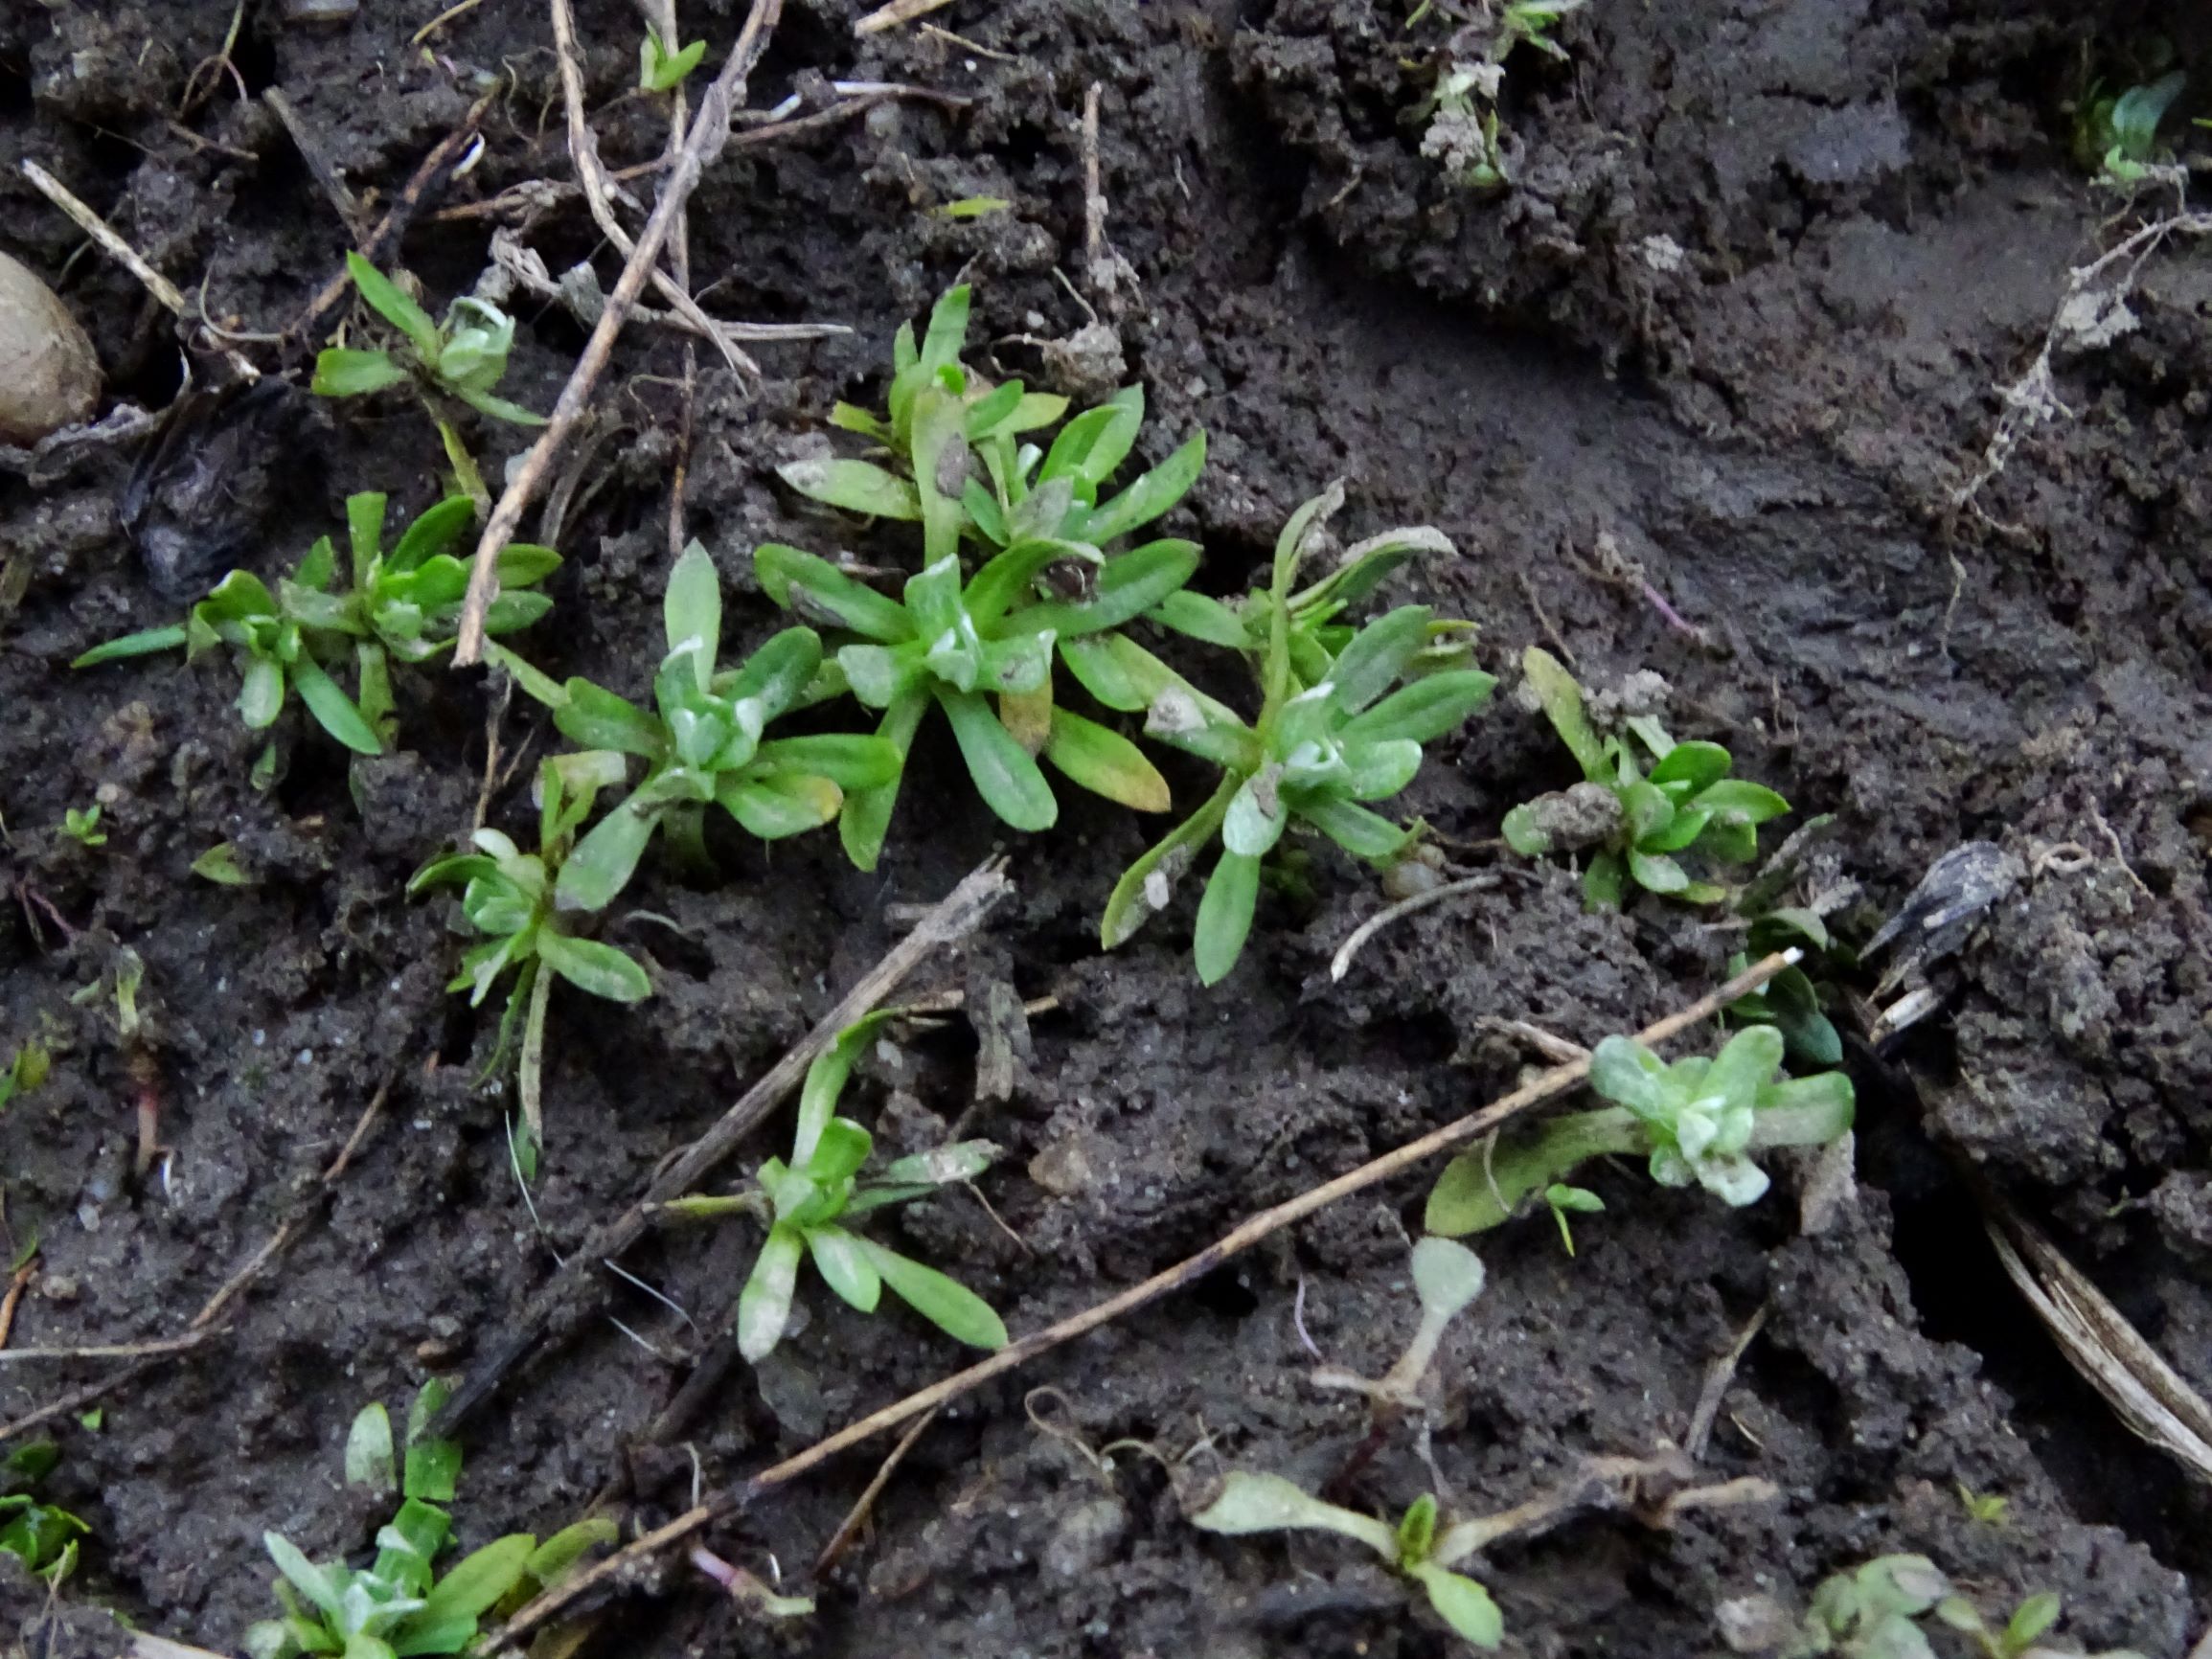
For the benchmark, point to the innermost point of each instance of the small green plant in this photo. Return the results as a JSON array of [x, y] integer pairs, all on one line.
[[1037, 518], [1447, 1279], [404, 602], [82, 825], [1331, 735], [1984, 1508], [662, 67], [26, 1071], [1872, 1612], [464, 357], [2116, 134], [402, 1604], [1686, 803], [39, 1536], [807, 1201], [704, 744], [1696, 1121], [1465, 134], [1264, 1503], [1789, 1002], [508, 897], [1564, 1200]]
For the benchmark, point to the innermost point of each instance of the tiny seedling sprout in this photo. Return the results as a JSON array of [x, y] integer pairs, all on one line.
[[663, 67], [808, 1200], [1633, 823], [26, 1071], [1251, 1503], [39, 1536], [81, 825], [1447, 1279], [1876, 1611], [1697, 1121], [703, 743], [401, 1603]]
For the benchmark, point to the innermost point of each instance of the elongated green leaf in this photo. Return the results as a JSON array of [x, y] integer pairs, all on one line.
[[1563, 703], [1376, 656], [815, 588], [432, 1469], [1146, 887], [866, 816], [370, 1458], [314, 1582], [472, 1584], [1424, 711], [604, 861], [435, 529], [1656, 873], [944, 1302], [1225, 915], [1742, 800], [1127, 587], [1092, 445], [1251, 1503], [775, 805], [1005, 775], [845, 1266], [947, 331], [539, 686], [1006, 580], [1363, 833], [847, 759], [1150, 496], [1696, 763], [144, 643], [1462, 1603], [341, 372], [1105, 762], [388, 301], [1201, 616], [692, 611], [497, 407], [856, 485], [598, 720], [567, 1547], [594, 967], [1117, 670], [524, 564], [764, 1305], [333, 710]]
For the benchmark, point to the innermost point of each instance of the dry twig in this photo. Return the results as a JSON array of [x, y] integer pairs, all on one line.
[[710, 130], [1017, 1353], [1341, 964]]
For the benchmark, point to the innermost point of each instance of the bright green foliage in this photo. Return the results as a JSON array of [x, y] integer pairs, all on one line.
[[1266, 1502], [39, 1536], [81, 825], [662, 67], [1331, 735], [808, 1200], [2116, 135], [1698, 1120], [1984, 1508], [1039, 525], [26, 1071], [1789, 1002], [402, 1604], [1686, 803], [464, 357], [404, 602], [1871, 1612], [704, 744]]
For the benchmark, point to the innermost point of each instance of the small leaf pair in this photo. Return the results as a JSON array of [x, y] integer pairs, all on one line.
[[508, 898], [41, 1536], [704, 743], [1687, 802], [810, 1198], [1251, 1503], [1696, 1121], [1321, 748], [403, 603], [464, 357]]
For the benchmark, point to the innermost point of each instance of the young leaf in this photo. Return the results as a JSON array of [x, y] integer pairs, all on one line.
[[1462, 1603], [1563, 704], [847, 759], [472, 1584], [1225, 915], [333, 710], [866, 816], [598, 720], [1424, 711], [317, 1583], [342, 372], [944, 1302], [1267, 1503], [845, 1267], [764, 1305], [138, 645], [388, 301], [856, 485], [370, 1459], [1105, 762], [1127, 586], [821, 588], [1005, 775], [604, 861], [590, 965], [692, 611], [775, 805], [1201, 616], [1150, 496]]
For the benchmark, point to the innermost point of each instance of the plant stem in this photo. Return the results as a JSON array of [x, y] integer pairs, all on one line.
[[530, 1072]]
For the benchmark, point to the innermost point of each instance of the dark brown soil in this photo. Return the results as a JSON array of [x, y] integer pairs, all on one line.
[[1743, 315]]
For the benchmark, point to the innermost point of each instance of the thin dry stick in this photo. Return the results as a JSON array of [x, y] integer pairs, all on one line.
[[710, 130], [1384, 918], [1267, 1223], [1716, 1389], [857, 1515], [599, 190], [16, 1285], [897, 13], [953, 918], [159, 1346], [123, 253]]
